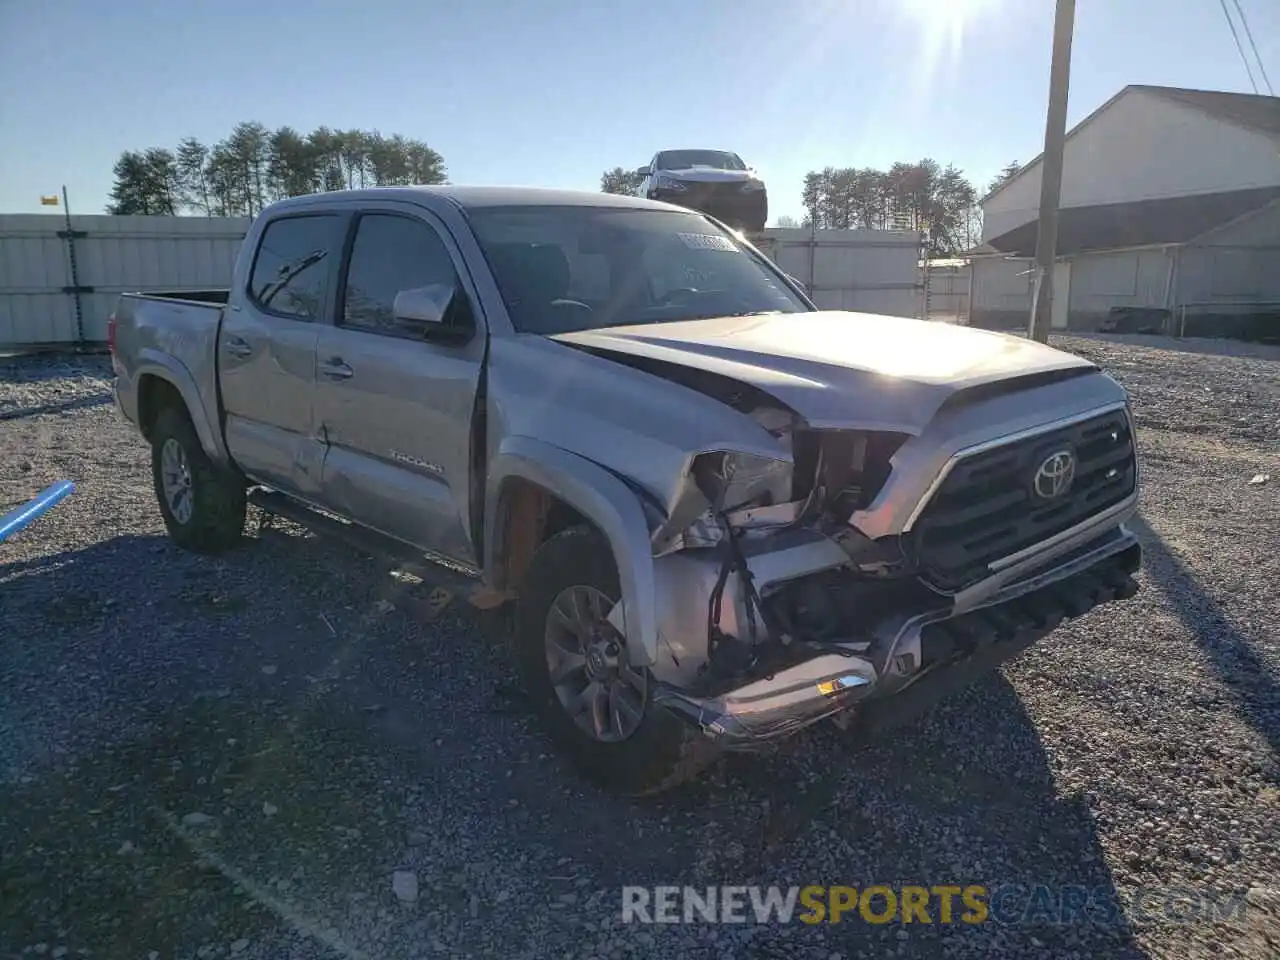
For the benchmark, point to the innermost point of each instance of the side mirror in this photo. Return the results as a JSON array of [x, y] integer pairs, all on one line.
[[438, 311], [423, 308], [643, 172]]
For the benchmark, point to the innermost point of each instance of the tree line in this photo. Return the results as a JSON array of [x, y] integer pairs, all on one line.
[[925, 196], [253, 166]]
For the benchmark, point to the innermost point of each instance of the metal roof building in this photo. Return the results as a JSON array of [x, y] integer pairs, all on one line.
[[1170, 202]]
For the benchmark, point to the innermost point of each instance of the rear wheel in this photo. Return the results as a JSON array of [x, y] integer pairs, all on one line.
[[576, 670], [203, 508]]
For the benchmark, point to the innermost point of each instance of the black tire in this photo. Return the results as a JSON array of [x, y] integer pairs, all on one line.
[[663, 751], [217, 515]]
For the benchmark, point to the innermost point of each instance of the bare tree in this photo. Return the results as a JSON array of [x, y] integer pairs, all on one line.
[[971, 229]]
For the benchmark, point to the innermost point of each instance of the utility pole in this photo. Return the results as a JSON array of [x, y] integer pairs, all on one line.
[[1055, 135]]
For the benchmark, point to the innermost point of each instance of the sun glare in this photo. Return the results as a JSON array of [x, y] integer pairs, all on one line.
[[942, 25], [948, 11]]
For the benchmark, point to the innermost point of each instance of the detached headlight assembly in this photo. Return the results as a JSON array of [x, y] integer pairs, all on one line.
[[735, 480], [719, 483]]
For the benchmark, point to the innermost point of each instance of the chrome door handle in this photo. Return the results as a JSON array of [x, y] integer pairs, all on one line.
[[237, 347], [335, 369]]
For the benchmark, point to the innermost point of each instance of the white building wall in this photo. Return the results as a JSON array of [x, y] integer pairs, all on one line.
[[117, 254], [1001, 292], [1118, 278], [1143, 147], [1239, 263]]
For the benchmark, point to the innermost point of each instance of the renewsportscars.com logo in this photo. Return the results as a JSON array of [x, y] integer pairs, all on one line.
[[944, 903], [938, 904]]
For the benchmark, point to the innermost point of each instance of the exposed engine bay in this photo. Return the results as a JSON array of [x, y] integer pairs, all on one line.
[[734, 503], [787, 580]]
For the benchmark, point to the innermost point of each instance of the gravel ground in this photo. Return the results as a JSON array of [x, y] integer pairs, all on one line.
[[261, 756]]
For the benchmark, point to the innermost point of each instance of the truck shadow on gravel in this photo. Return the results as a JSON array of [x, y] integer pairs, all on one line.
[[1232, 654], [325, 740], [48, 408]]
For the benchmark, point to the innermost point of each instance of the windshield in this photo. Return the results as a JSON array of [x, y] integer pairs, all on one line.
[[684, 159], [562, 269]]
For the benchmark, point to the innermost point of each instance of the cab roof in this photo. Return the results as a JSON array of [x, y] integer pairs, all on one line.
[[473, 198]]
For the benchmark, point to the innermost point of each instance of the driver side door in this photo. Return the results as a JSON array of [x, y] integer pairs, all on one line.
[[395, 408]]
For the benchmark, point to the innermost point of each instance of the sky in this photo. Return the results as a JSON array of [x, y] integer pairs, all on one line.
[[553, 92]]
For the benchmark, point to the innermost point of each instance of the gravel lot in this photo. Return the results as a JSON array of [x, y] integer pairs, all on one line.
[[237, 757]]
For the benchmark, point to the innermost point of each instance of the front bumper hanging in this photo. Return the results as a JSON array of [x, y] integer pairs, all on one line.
[[884, 685]]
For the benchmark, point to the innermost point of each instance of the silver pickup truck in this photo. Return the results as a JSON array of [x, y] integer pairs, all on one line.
[[716, 513]]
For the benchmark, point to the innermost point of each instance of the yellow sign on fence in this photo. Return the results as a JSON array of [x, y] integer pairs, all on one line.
[[50, 200]]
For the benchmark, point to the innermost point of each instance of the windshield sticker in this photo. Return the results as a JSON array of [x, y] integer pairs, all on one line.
[[706, 241]]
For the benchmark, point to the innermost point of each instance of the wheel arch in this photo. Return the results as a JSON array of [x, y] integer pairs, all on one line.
[[534, 491], [161, 382]]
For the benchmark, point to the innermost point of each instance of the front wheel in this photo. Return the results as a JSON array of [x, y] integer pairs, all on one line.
[[596, 705], [203, 508]]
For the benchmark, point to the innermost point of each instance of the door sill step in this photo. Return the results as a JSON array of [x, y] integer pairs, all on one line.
[[448, 580]]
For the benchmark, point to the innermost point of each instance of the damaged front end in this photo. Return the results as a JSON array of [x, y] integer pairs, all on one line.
[[776, 610]]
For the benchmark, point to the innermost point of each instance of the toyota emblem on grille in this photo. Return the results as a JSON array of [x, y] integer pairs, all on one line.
[[1054, 475]]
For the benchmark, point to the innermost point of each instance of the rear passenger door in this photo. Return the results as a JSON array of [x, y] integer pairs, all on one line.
[[396, 409], [267, 351]]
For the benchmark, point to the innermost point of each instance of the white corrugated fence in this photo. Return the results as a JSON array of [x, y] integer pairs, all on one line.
[[38, 295], [869, 271], [42, 301]]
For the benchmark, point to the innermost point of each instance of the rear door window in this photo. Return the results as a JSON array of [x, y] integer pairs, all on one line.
[[291, 269]]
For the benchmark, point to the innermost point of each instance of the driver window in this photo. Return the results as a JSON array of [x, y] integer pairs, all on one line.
[[391, 253]]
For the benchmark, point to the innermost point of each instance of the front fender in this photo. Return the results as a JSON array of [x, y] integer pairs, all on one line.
[[604, 500], [157, 363]]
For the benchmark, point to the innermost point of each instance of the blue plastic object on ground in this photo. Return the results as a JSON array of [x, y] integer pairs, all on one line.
[[19, 517]]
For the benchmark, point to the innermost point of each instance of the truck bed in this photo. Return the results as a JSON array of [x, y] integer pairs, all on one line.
[[175, 334], [218, 297]]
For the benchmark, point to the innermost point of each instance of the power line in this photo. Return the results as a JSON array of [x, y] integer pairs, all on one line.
[[1239, 47], [1244, 22]]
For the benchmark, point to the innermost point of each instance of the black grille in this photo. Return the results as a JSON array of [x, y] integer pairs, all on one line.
[[987, 507], [712, 196], [712, 191]]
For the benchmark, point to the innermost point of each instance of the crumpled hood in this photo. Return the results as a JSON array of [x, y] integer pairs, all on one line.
[[837, 368], [709, 175]]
